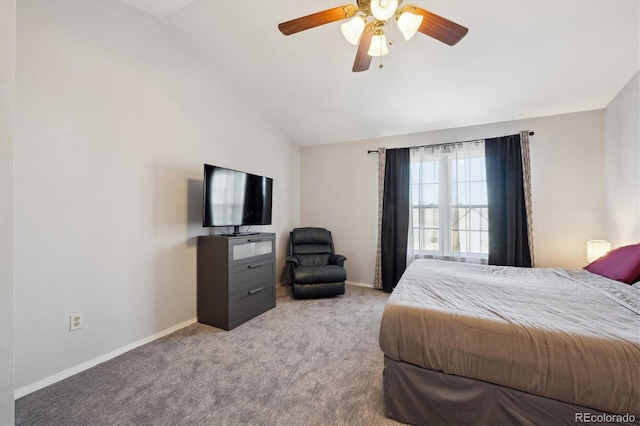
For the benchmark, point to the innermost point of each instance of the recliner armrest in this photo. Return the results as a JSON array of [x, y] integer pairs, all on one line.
[[293, 260], [337, 259]]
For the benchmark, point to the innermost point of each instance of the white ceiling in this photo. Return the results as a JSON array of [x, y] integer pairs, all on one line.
[[520, 59]]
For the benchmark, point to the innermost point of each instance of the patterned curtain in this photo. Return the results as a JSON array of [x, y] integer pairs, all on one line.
[[377, 280], [526, 183]]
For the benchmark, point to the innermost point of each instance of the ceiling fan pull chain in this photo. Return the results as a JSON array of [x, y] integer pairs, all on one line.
[[389, 42]]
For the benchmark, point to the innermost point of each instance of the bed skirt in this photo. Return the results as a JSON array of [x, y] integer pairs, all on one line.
[[419, 396]]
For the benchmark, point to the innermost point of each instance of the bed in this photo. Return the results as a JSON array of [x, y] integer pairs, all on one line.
[[476, 344]]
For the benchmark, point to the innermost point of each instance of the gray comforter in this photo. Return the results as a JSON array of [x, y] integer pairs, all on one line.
[[564, 334]]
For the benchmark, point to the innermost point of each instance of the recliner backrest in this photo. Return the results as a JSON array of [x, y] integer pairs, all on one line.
[[312, 246]]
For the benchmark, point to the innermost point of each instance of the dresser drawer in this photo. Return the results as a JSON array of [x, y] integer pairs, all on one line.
[[246, 276], [249, 303], [251, 249]]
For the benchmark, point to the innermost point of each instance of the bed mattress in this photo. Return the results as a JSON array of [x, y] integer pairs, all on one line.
[[569, 335]]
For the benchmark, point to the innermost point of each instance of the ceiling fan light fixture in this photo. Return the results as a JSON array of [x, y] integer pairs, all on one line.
[[383, 9], [352, 29], [408, 23], [378, 45]]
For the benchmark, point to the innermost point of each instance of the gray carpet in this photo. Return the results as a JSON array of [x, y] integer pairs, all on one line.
[[314, 362]]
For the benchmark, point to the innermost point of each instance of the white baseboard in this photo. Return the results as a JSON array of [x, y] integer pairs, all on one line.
[[359, 284], [26, 390]]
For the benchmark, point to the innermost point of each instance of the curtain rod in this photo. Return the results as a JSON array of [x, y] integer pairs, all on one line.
[[371, 151]]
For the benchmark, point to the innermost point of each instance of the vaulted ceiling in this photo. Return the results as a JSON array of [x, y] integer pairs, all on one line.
[[520, 59]]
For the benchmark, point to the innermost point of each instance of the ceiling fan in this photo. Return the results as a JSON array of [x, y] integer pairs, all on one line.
[[368, 20]]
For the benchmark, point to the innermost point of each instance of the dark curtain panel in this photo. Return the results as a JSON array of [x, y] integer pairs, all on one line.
[[395, 217], [508, 238]]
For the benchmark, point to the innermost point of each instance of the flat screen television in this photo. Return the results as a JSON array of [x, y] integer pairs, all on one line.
[[234, 198]]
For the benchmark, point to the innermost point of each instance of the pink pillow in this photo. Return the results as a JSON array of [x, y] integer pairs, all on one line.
[[621, 264]]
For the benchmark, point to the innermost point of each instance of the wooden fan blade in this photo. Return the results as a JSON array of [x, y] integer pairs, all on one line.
[[440, 28], [317, 19], [363, 60]]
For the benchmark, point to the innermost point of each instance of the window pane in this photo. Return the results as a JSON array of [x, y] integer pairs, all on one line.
[[460, 166], [484, 222], [477, 169], [469, 218], [474, 241], [478, 193], [475, 220], [469, 230], [429, 194], [431, 239], [458, 172], [429, 171], [455, 241], [415, 172], [484, 242], [416, 239], [415, 195], [460, 193], [456, 218], [430, 217]]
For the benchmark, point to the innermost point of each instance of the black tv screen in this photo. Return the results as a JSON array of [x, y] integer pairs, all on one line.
[[234, 198]]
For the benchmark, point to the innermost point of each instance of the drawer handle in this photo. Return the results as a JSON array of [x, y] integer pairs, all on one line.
[[256, 290], [254, 240], [255, 265]]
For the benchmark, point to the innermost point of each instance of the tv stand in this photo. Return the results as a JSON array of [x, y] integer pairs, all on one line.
[[237, 233], [236, 278]]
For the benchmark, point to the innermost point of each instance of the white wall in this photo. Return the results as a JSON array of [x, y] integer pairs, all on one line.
[[7, 115], [621, 171], [114, 120], [339, 184]]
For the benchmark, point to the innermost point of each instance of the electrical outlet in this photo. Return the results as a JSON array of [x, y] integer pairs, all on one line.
[[75, 322]]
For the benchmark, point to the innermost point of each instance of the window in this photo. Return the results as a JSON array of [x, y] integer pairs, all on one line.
[[449, 203]]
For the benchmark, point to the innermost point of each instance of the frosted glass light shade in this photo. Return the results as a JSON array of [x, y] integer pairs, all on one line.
[[408, 23], [378, 46], [596, 249], [383, 9], [352, 29]]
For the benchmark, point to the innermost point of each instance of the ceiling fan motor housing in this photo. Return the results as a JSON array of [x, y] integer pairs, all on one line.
[[365, 6]]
